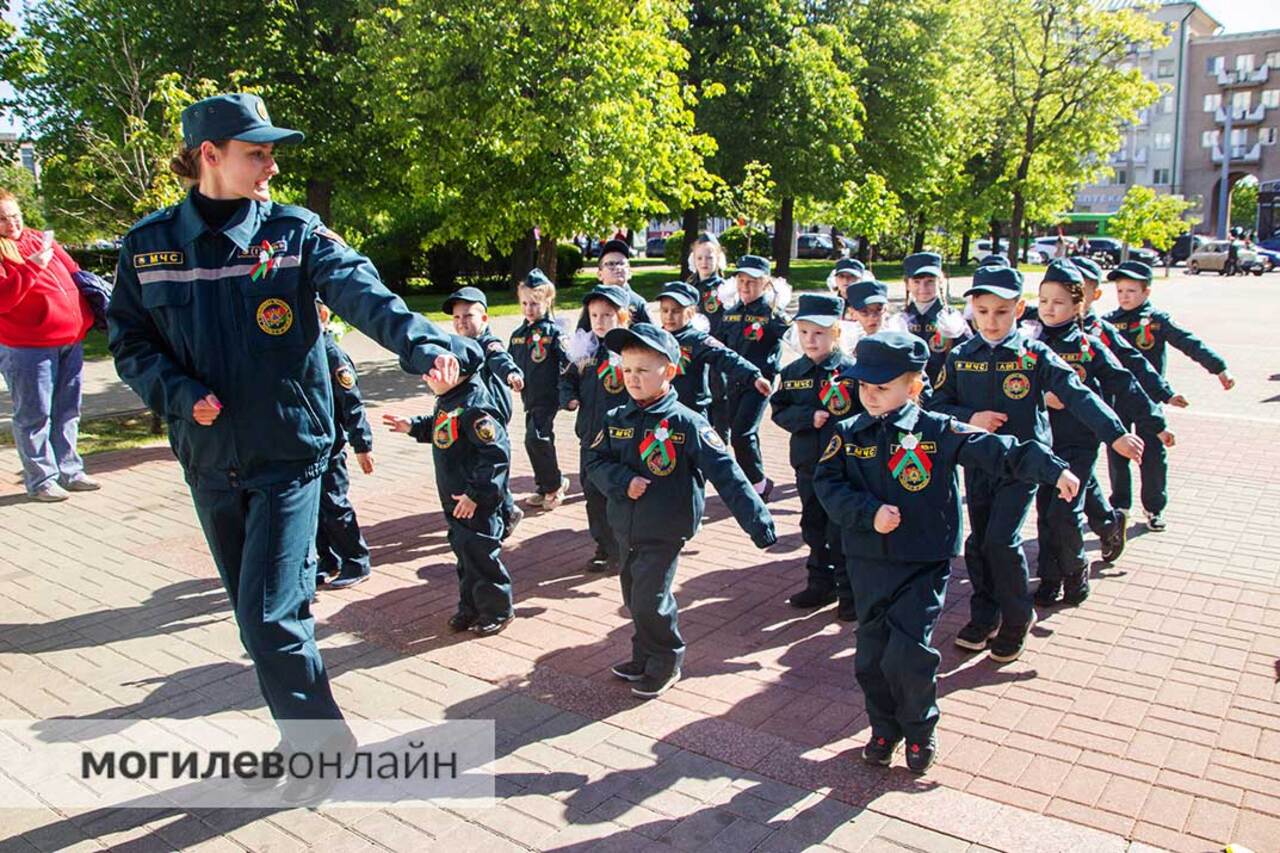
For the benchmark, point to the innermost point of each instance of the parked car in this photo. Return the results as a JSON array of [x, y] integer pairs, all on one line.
[[1184, 247], [1035, 253], [1270, 258], [655, 247], [1212, 257], [815, 246], [1272, 243], [1113, 249]]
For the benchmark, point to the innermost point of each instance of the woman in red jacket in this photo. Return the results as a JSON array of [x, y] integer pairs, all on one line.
[[43, 321]]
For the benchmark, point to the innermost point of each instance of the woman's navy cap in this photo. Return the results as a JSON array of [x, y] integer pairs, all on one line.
[[646, 335], [622, 247], [465, 294], [885, 356], [863, 293], [753, 265], [922, 263], [238, 116], [1088, 267], [1063, 271], [469, 354], [536, 278], [1005, 282], [684, 294], [995, 259], [1136, 270], [610, 292], [853, 266], [820, 308]]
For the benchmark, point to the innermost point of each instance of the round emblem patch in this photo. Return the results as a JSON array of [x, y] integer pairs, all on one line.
[[840, 404], [912, 478], [612, 381], [346, 377], [1016, 386], [660, 466], [833, 447], [711, 302], [485, 430], [275, 317], [537, 353], [937, 342], [262, 111]]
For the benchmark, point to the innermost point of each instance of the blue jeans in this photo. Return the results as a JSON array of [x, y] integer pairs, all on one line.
[[45, 385]]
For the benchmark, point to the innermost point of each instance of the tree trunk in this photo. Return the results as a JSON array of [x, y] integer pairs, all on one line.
[[320, 197], [864, 250], [547, 255], [690, 223], [1015, 226], [782, 236], [919, 244], [964, 248], [522, 256]]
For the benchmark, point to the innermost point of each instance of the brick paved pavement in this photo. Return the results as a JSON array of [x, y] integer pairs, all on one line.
[[1147, 717]]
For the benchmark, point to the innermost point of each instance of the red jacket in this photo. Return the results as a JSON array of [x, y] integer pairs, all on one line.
[[40, 307]]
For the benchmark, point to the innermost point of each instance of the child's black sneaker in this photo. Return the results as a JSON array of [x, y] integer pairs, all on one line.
[[1075, 590], [652, 686], [975, 637], [813, 595], [847, 610], [1009, 642], [1156, 523], [628, 670], [487, 626], [880, 750], [599, 560], [513, 518], [920, 755], [462, 620], [767, 491], [1047, 594], [1114, 538]]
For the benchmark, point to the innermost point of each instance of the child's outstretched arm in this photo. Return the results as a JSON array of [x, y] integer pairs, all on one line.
[[713, 459], [1004, 456], [1132, 403], [1197, 350], [1132, 360], [737, 368], [1061, 380]]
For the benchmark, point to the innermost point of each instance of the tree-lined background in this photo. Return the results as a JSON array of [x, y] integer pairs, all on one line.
[[452, 138]]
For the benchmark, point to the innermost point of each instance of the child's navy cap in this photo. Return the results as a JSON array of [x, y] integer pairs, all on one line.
[[753, 265], [536, 278], [622, 247], [469, 354], [995, 259], [1088, 268], [1063, 271], [465, 294], [820, 308], [684, 294], [885, 356], [1135, 270], [852, 266], [646, 335], [1005, 282], [236, 116], [863, 293], [610, 292], [922, 263]]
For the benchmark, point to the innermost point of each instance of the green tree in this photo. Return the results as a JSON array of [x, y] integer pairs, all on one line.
[[1244, 203], [867, 208], [751, 203], [564, 115], [20, 182], [1146, 217], [1061, 65]]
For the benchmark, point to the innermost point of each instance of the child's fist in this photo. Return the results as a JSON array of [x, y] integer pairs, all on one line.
[[396, 423], [1179, 401], [1228, 381], [1167, 438], [820, 418], [636, 487], [887, 519], [1068, 485], [1051, 400], [1129, 446], [366, 462], [990, 421], [516, 381], [764, 386]]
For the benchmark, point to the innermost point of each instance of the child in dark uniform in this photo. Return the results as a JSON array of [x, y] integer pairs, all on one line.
[[472, 460], [927, 314], [538, 351], [651, 458], [888, 479], [815, 392]]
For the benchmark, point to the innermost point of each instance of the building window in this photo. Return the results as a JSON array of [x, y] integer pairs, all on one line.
[[1160, 176], [1164, 68], [1162, 141], [1212, 102], [1267, 135], [1242, 100], [1122, 177], [1239, 136], [1166, 105], [1244, 62], [1271, 98], [1273, 58], [1214, 64], [1209, 139]]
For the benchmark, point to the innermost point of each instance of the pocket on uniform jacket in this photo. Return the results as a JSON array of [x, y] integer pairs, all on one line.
[[301, 401], [164, 294], [274, 315]]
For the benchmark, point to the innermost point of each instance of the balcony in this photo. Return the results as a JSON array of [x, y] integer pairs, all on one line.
[[1241, 117], [1140, 156], [1240, 153], [1236, 78]]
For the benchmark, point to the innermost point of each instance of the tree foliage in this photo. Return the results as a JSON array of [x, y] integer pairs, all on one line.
[[1146, 217]]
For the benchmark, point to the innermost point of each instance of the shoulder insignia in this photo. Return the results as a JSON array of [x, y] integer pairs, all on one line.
[[711, 437], [485, 429], [494, 346], [598, 440], [833, 447], [942, 376], [327, 233], [346, 377]]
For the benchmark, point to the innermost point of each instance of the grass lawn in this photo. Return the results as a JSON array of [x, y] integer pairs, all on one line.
[[117, 432]]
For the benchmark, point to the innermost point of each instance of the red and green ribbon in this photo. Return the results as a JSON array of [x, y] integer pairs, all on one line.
[[711, 301], [1086, 349], [1028, 360], [1145, 335], [606, 370], [539, 344], [936, 341], [904, 456], [267, 261], [447, 422], [754, 332], [1106, 341], [683, 366], [834, 389], [652, 444]]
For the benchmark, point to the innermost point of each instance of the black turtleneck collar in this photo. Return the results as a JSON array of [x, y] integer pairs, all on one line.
[[216, 212]]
